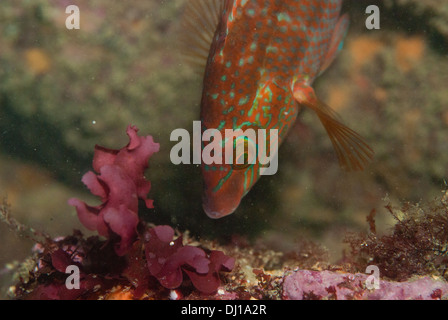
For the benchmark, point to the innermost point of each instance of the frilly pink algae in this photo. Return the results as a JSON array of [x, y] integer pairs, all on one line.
[[120, 183], [60, 260], [151, 252], [167, 259]]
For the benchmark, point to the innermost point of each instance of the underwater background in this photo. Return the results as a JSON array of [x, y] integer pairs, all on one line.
[[63, 91]]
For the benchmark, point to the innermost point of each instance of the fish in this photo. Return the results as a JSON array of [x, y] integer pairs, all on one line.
[[260, 59]]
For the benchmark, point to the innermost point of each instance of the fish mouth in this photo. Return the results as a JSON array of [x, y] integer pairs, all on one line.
[[219, 207], [222, 201], [217, 214]]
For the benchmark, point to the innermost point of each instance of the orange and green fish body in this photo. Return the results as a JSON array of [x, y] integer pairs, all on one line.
[[262, 62]]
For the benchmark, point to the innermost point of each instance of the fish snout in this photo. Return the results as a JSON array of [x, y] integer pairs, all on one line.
[[218, 208]]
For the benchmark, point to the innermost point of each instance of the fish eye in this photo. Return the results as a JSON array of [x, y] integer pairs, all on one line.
[[245, 152]]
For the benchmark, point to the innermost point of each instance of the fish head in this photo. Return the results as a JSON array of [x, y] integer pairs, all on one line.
[[237, 169], [247, 144], [223, 191]]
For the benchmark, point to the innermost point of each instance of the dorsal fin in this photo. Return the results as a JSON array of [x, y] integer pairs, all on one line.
[[336, 43], [199, 23]]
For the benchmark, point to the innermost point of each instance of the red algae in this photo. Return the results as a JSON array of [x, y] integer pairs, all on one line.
[[417, 244], [168, 259], [136, 261], [120, 183]]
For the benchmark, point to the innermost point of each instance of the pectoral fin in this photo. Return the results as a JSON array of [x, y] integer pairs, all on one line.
[[352, 151]]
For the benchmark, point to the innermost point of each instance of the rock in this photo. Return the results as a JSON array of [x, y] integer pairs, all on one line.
[[306, 284]]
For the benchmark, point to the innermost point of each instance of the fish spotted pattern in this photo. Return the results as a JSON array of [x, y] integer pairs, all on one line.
[[263, 59]]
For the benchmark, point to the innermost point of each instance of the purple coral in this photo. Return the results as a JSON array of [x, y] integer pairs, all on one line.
[[120, 183], [168, 259], [305, 284]]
